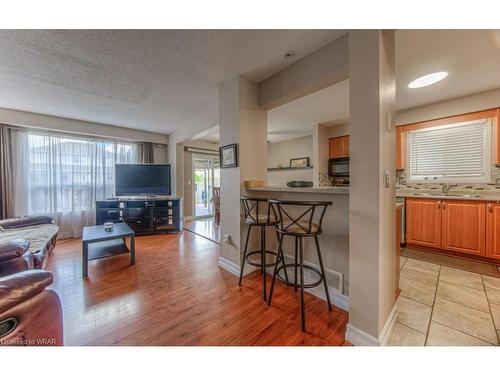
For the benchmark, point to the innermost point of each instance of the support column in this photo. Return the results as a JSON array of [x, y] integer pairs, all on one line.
[[372, 312], [244, 123]]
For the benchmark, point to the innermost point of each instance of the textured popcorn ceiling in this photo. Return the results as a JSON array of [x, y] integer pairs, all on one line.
[[156, 80]]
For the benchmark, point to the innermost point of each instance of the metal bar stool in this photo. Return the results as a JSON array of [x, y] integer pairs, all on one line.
[[299, 219], [257, 212]]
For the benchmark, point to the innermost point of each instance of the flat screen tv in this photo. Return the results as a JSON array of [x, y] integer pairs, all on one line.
[[142, 179]]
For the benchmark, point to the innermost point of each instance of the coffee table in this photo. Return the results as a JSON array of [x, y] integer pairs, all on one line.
[[97, 243]]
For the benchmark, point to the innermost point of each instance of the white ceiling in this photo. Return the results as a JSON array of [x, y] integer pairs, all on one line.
[[471, 57], [156, 80]]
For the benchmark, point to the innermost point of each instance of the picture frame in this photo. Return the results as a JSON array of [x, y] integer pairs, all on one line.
[[299, 162], [228, 156]]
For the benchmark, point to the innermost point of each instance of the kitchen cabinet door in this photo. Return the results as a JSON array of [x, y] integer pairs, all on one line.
[[423, 222], [337, 148], [345, 141], [464, 226], [493, 230]]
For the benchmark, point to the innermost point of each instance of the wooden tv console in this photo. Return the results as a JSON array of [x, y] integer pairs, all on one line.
[[144, 215]]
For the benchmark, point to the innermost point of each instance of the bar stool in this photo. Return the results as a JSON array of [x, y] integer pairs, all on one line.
[[257, 212], [299, 220]]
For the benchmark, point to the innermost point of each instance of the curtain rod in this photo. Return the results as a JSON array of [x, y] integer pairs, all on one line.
[[46, 131]]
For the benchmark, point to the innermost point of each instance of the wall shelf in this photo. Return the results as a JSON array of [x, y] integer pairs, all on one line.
[[288, 168]]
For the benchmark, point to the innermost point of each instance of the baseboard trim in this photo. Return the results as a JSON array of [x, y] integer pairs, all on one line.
[[234, 268], [358, 337]]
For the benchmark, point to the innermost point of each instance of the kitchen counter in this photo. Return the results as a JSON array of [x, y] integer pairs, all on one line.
[[319, 189], [476, 195]]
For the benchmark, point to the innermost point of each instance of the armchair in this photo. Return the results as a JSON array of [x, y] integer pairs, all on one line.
[[29, 313], [15, 257]]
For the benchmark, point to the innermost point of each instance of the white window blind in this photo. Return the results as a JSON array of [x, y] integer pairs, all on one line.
[[457, 152]]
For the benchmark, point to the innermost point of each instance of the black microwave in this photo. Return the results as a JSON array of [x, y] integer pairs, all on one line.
[[338, 167]]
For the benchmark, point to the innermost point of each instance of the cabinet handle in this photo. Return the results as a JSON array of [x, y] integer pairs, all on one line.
[[444, 205], [439, 204], [489, 207]]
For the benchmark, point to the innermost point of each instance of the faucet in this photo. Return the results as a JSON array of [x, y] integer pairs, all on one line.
[[445, 188]]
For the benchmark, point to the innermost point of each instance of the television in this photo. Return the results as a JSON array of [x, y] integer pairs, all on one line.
[[142, 179]]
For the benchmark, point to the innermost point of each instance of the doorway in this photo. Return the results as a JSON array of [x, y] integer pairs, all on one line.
[[206, 176]]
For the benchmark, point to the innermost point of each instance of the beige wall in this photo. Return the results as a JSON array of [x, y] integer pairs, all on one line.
[[372, 205], [21, 118], [465, 104], [282, 152], [318, 70]]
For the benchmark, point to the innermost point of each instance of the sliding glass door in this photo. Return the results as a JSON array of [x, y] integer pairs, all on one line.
[[206, 176]]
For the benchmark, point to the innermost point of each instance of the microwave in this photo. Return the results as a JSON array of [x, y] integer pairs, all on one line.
[[338, 167]]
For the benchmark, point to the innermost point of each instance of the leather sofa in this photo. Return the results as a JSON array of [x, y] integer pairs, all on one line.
[[26, 243], [30, 314]]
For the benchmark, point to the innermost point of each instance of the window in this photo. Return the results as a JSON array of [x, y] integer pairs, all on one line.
[[452, 153], [63, 175]]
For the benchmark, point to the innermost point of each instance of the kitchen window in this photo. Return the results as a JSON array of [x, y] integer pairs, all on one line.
[[453, 153]]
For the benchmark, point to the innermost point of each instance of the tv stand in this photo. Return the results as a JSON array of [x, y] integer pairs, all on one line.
[[144, 215]]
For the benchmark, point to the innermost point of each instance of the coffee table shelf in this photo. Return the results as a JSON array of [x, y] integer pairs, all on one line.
[[104, 249]]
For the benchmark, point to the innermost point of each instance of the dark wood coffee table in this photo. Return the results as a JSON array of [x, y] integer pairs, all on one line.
[[97, 243]]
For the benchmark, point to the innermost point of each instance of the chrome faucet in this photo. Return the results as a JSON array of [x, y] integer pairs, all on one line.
[[445, 188]]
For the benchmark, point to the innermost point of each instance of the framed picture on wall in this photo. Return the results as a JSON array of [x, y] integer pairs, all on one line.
[[228, 156], [299, 162]]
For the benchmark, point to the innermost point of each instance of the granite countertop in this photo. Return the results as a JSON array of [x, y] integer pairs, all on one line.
[[476, 195], [319, 189]]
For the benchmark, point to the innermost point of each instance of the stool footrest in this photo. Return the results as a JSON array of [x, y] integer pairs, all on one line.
[[258, 264], [296, 284]]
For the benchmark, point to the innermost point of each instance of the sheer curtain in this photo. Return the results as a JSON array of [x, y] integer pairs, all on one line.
[[63, 176]]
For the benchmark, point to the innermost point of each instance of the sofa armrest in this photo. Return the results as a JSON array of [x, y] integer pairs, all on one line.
[[21, 286], [13, 249], [26, 221]]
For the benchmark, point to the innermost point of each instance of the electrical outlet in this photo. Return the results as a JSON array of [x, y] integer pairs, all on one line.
[[226, 239]]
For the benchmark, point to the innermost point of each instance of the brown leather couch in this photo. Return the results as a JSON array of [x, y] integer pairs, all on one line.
[[26, 243], [29, 313]]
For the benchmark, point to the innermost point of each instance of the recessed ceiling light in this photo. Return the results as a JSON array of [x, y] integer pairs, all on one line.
[[427, 80]]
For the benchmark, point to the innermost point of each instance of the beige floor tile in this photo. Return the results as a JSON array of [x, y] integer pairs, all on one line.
[[495, 313], [417, 291], [491, 282], [463, 278], [402, 261], [413, 314], [423, 265], [465, 319], [440, 335], [473, 298], [406, 336], [415, 272], [493, 296]]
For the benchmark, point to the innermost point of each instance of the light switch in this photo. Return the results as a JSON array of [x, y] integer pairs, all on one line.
[[387, 179]]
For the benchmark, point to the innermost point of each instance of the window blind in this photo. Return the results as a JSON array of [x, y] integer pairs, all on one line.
[[455, 152]]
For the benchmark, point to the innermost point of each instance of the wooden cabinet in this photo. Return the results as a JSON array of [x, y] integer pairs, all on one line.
[[463, 226], [453, 225], [493, 230], [423, 222], [339, 147]]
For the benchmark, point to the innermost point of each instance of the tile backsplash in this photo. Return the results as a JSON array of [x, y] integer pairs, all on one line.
[[325, 180], [492, 185]]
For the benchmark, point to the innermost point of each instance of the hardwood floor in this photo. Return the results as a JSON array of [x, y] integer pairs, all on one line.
[[176, 294]]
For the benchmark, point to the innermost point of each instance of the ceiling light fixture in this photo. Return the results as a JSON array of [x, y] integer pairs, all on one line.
[[427, 80]]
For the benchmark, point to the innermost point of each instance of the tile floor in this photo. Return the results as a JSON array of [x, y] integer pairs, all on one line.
[[439, 305]]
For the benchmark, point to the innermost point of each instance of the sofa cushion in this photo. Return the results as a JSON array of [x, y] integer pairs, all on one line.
[[27, 221], [37, 235]]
